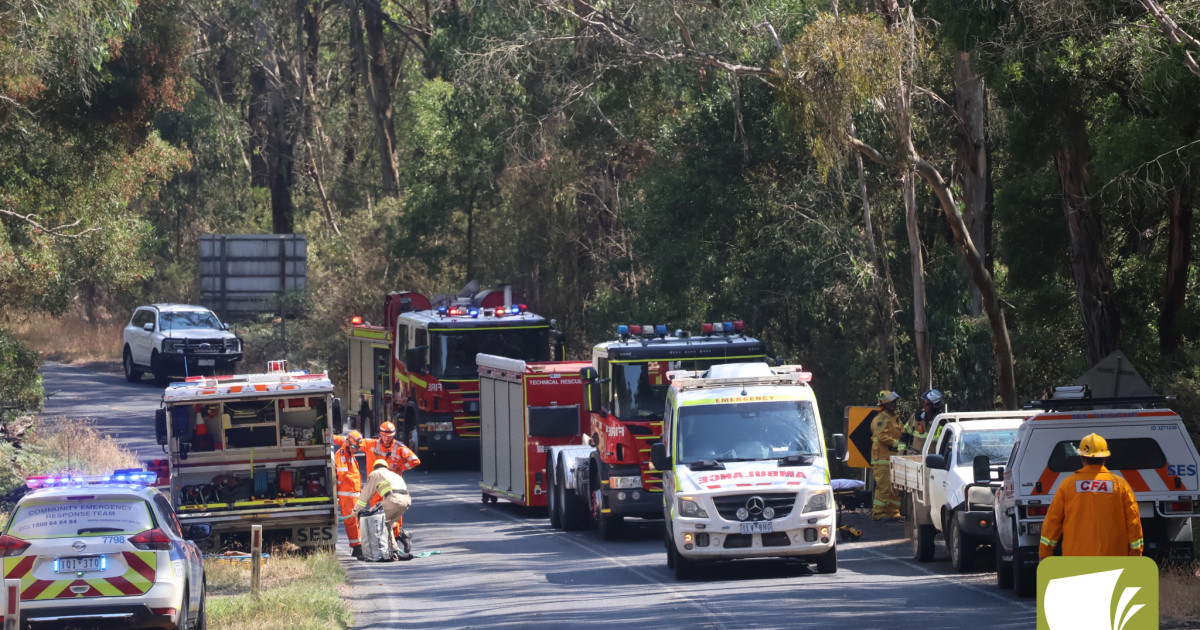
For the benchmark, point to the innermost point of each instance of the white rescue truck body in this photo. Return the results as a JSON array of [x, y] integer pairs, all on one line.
[[1150, 448], [252, 449], [745, 468]]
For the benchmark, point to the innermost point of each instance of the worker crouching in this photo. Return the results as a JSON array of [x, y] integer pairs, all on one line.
[[393, 496]]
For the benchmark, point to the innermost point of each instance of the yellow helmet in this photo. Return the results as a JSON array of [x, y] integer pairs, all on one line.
[[886, 396], [379, 463], [1093, 446]]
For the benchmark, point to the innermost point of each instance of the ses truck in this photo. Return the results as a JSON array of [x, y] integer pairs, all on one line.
[[251, 449], [745, 468]]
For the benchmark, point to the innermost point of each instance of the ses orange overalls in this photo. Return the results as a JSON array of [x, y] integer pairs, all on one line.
[[349, 482]]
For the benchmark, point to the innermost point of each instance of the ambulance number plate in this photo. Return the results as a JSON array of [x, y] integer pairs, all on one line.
[[80, 563], [204, 362], [757, 527]]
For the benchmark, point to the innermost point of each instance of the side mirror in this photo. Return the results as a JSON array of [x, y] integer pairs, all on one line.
[[935, 461], [148, 327], [591, 398], [338, 420], [225, 326], [841, 449], [414, 359], [197, 531], [658, 456], [160, 426], [983, 469], [560, 346]]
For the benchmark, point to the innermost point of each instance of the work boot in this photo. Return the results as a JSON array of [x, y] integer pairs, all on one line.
[[405, 540], [401, 555], [356, 552]]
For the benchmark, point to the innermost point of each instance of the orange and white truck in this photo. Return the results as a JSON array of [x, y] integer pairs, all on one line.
[[252, 448]]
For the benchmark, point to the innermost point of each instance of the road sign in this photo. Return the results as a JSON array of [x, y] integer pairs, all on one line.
[[858, 435]]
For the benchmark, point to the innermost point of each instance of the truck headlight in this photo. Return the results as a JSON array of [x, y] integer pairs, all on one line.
[[233, 345], [172, 345], [625, 483], [442, 426], [817, 502], [691, 509]]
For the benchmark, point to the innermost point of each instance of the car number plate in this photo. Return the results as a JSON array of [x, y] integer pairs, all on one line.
[[207, 362], [758, 527], [80, 563]]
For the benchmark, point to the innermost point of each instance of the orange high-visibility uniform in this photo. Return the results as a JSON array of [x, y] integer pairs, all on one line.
[[349, 482], [1097, 514], [399, 459]]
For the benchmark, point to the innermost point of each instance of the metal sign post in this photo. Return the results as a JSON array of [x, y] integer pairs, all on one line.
[[12, 604]]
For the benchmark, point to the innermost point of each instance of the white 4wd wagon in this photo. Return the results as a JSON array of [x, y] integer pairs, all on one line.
[[178, 340]]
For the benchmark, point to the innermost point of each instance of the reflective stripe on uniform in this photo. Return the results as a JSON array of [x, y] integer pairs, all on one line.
[[877, 462], [1137, 544], [343, 493], [1054, 543]]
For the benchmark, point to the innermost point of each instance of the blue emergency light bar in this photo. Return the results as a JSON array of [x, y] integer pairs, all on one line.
[[135, 476]]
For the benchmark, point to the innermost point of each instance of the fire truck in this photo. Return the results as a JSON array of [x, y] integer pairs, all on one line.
[[610, 477], [418, 368], [251, 448]]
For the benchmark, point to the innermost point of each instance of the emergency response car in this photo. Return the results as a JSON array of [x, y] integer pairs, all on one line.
[[252, 449], [745, 468], [1150, 448], [108, 549]]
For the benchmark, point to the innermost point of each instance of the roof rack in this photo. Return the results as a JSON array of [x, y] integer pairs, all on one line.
[[1134, 402], [781, 375]]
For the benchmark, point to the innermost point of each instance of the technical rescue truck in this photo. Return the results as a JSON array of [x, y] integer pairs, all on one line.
[[745, 468], [252, 448], [526, 408], [611, 477], [432, 388], [1150, 448]]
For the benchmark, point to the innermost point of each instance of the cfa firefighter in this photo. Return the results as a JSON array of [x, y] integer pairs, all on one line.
[[391, 491], [916, 430], [349, 482], [399, 458], [1094, 512], [885, 442]]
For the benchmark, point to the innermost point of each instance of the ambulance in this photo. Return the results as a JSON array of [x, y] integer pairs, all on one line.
[[745, 468], [1150, 448]]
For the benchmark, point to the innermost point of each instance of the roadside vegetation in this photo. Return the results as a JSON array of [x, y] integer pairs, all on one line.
[[1179, 597], [56, 445], [299, 592]]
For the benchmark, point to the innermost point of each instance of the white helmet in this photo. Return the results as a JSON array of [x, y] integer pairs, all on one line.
[[933, 397]]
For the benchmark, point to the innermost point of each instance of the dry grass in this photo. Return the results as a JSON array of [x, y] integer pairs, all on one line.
[[1179, 597], [83, 448], [299, 592], [71, 338]]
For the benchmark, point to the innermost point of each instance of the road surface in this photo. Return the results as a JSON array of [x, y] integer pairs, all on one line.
[[501, 566]]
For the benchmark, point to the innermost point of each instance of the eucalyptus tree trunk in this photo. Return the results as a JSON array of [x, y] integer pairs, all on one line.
[[1179, 261], [372, 59], [273, 117], [974, 167]]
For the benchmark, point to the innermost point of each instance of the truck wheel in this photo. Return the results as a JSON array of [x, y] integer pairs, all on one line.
[[670, 551], [922, 542], [160, 370], [961, 546], [572, 513], [685, 568], [1024, 580], [552, 496], [827, 562], [609, 527], [1004, 570], [132, 374]]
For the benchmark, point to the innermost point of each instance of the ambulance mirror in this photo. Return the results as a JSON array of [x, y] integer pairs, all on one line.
[[840, 450], [160, 426], [983, 469], [338, 420], [658, 456]]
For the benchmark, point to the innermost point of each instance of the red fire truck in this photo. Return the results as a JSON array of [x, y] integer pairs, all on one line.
[[418, 368], [526, 408], [611, 477]]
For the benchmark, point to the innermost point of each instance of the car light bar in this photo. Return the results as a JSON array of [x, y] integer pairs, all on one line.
[[134, 476]]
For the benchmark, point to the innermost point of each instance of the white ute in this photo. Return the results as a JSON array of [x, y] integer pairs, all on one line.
[[745, 469]]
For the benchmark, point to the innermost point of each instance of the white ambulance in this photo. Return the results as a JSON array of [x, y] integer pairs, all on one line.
[[745, 469], [1150, 448]]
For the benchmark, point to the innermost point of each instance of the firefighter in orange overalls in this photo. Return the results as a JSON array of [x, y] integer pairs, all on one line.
[[349, 482], [399, 459], [1094, 511]]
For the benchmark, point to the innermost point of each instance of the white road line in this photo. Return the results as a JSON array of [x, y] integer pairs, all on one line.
[[995, 594], [713, 615]]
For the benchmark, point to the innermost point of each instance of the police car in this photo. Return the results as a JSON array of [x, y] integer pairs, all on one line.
[[103, 551]]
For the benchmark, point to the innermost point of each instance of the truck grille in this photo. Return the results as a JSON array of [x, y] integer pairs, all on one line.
[[781, 502], [205, 346]]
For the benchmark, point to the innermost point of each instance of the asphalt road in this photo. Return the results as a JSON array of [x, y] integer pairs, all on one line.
[[501, 566]]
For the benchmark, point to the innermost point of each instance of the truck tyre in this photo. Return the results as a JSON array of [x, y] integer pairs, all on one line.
[[827, 562], [922, 542], [685, 568], [552, 496], [159, 370], [609, 527], [132, 374], [573, 511], [1004, 570], [960, 545], [1024, 580]]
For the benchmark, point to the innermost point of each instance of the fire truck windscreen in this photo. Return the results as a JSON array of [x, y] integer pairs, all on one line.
[[748, 431], [640, 389], [452, 354]]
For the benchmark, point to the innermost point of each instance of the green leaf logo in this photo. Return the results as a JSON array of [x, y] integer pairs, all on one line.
[[1098, 593]]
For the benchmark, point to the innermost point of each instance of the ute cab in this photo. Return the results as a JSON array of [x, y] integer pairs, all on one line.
[[1150, 448], [745, 468], [103, 550]]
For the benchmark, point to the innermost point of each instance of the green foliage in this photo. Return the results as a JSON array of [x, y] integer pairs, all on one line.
[[20, 382]]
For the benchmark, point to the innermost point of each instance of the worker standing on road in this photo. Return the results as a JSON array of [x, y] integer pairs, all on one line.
[[349, 481], [392, 492], [885, 442], [399, 458], [916, 430], [1094, 510]]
